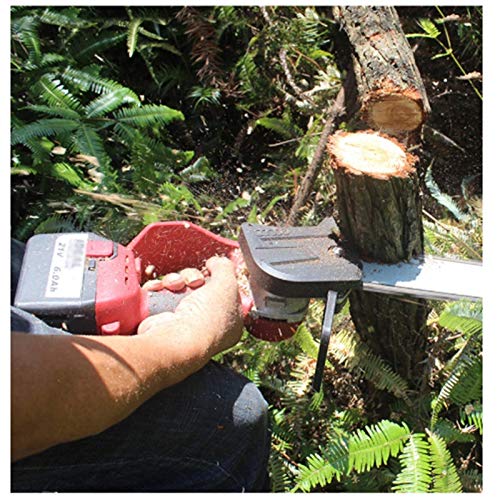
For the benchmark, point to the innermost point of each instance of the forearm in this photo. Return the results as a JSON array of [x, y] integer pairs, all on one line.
[[93, 382]]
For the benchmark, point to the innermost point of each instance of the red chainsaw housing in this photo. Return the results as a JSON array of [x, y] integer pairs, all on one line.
[[121, 304]]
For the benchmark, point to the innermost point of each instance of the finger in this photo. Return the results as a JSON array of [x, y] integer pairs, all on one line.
[[153, 285], [220, 265], [155, 321], [192, 277], [174, 282]]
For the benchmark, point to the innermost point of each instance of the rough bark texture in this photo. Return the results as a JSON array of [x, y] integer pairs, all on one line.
[[380, 218], [390, 89]]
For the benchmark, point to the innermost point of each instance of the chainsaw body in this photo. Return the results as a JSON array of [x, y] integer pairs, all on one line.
[[88, 284]]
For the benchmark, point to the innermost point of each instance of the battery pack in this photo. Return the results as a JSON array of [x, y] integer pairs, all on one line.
[[58, 281]]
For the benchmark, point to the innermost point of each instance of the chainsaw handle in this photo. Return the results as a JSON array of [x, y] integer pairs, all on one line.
[[165, 300]]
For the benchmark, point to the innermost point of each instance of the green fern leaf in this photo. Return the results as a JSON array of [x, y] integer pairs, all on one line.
[[349, 350], [375, 444], [103, 42], [415, 475], [464, 382], [54, 111], [41, 128], [55, 94], [471, 383], [450, 433], [25, 31], [198, 171], [463, 316], [132, 35], [444, 472], [106, 103], [281, 127], [88, 142], [65, 172], [148, 115], [278, 473], [59, 18], [472, 480], [86, 81], [55, 224], [317, 471], [442, 198]]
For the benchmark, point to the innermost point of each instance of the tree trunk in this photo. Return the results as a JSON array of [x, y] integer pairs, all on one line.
[[380, 218], [390, 89]]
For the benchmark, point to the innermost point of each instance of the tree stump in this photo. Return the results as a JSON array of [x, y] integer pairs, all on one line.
[[379, 212], [391, 94]]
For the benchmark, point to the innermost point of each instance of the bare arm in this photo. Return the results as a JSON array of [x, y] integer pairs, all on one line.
[[69, 387]]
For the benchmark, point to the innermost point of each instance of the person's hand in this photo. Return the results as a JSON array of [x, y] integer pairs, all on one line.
[[211, 315]]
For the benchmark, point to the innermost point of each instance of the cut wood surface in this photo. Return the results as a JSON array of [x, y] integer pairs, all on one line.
[[379, 215], [377, 195], [390, 89]]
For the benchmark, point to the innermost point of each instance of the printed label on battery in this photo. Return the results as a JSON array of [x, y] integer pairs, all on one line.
[[67, 267]]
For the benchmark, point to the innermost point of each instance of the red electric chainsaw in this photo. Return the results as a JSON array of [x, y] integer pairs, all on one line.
[[88, 284]]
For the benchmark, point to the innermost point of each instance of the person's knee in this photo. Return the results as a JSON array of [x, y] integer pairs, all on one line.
[[250, 410]]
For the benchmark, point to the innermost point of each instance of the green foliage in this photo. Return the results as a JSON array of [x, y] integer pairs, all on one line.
[[431, 31], [415, 474], [445, 474]]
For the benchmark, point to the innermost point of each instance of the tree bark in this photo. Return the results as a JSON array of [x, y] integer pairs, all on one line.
[[379, 211], [391, 94]]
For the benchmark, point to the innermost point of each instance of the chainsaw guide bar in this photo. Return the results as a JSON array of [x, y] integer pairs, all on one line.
[[308, 262]]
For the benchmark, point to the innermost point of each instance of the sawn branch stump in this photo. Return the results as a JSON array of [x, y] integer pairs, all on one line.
[[379, 212]]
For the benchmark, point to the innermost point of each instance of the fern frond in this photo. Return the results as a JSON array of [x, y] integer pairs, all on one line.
[[132, 35], [88, 142], [282, 127], [317, 471], [375, 444], [470, 384], [415, 475], [349, 350], [450, 433], [103, 42], [442, 198], [106, 103], [25, 31], [463, 316], [472, 480], [54, 111], [304, 339], [464, 382], [444, 472], [85, 81], [53, 92], [60, 18], [41, 128], [278, 473], [148, 115], [67, 173], [55, 224]]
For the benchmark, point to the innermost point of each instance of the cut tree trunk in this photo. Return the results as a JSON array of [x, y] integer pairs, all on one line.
[[379, 215], [391, 94]]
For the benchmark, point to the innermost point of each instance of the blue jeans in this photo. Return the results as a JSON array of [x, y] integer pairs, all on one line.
[[207, 433]]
